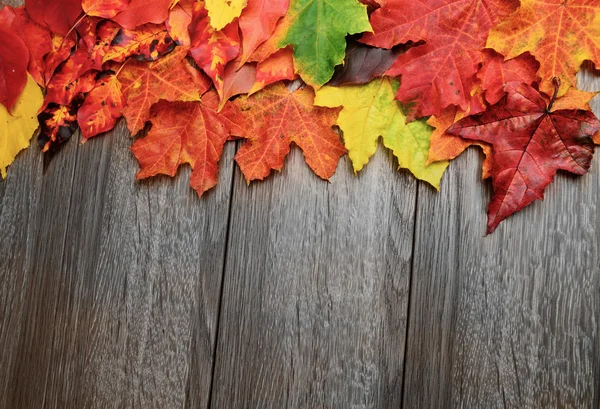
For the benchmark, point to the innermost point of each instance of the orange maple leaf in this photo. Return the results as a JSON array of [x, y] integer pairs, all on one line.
[[280, 117], [144, 84], [560, 34], [187, 132]]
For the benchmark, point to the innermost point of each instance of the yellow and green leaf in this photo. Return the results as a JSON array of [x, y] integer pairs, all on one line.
[[369, 112]]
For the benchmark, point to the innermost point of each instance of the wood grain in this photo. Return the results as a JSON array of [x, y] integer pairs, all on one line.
[[509, 320], [316, 289], [126, 315]]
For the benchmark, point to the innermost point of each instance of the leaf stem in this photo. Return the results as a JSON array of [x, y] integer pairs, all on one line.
[[556, 82]]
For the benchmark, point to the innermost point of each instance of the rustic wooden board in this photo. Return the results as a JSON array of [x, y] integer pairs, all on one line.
[[508, 320], [33, 211], [316, 290], [126, 315]]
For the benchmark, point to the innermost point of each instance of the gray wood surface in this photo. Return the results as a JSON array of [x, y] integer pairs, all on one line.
[[293, 293], [109, 287], [316, 289], [508, 320]]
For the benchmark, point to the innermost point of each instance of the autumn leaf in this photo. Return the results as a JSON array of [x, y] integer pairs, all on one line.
[[187, 132], [445, 147], [369, 112], [222, 12], [440, 72], [496, 72], [213, 49], [530, 143], [96, 39], [58, 15], [317, 29], [14, 59], [144, 84], [560, 34], [258, 22], [103, 8], [102, 106], [60, 52], [70, 79], [146, 43], [280, 117], [18, 127], [37, 38], [140, 12], [58, 123], [363, 63], [237, 81], [178, 23], [277, 67]]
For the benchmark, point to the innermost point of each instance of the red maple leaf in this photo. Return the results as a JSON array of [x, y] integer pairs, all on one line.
[[530, 143], [440, 72]]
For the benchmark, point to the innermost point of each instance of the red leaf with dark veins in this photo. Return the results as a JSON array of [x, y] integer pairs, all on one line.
[[495, 73], [530, 143]]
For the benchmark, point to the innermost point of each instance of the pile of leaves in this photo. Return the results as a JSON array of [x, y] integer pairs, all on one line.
[[332, 76]]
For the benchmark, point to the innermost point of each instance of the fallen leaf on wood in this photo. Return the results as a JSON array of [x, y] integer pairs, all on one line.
[[369, 112], [530, 143], [280, 117], [187, 132]]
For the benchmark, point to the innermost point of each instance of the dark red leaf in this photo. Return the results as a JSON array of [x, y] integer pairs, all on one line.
[[14, 58], [58, 15], [363, 63], [530, 143]]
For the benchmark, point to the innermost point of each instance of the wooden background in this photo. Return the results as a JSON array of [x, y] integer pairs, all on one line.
[[367, 292]]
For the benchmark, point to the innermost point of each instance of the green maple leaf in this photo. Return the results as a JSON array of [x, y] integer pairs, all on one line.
[[317, 29]]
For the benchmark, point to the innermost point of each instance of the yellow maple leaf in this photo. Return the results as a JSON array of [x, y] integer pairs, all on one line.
[[17, 129], [370, 111]]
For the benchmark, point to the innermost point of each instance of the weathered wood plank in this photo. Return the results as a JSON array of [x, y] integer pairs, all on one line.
[[508, 320], [126, 315], [34, 210], [315, 290]]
